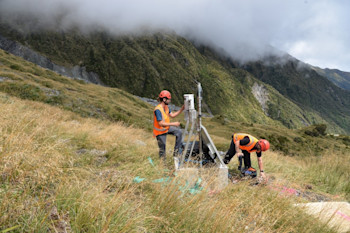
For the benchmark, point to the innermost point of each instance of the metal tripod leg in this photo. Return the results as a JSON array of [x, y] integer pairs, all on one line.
[[187, 144]]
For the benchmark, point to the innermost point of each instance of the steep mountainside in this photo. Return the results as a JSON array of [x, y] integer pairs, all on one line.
[[340, 78], [306, 88], [143, 65]]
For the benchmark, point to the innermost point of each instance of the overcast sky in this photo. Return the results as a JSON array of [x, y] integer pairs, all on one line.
[[314, 31]]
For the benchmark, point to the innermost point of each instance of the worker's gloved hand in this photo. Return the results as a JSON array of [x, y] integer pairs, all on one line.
[[239, 154], [263, 176], [177, 124]]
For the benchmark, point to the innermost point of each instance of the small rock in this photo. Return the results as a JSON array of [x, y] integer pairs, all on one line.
[[54, 213], [95, 152], [3, 79], [50, 92], [235, 181], [99, 153], [140, 143], [61, 224], [81, 151], [308, 186]]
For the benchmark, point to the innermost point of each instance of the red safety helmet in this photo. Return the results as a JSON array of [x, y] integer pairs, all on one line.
[[165, 94], [264, 144]]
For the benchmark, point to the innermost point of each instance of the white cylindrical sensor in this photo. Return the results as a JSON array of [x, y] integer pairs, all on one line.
[[189, 101]]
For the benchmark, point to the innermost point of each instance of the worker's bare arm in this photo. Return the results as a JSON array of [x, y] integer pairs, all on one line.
[[174, 114], [164, 124], [238, 150], [261, 167]]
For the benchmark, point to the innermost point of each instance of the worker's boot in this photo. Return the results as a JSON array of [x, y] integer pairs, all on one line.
[[251, 169], [250, 172]]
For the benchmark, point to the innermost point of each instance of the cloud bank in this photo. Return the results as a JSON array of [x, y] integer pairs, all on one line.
[[314, 31]]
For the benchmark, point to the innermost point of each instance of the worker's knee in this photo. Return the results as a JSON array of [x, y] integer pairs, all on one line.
[[178, 133], [175, 131]]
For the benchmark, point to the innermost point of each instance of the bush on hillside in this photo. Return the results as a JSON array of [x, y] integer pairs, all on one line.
[[280, 143], [24, 91], [346, 140], [316, 130]]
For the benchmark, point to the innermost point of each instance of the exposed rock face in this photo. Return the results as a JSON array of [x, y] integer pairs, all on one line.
[[76, 72], [262, 95]]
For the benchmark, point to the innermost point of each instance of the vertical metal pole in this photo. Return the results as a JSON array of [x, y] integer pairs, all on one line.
[[199, 125]]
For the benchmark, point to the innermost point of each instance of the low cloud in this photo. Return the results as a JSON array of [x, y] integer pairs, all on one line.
[[313, 31]]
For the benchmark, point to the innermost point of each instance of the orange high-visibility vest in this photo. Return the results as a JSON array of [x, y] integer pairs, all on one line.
[[250, 145], [157, 129]]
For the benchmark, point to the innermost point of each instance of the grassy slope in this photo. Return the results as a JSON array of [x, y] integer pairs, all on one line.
[[28, 81], [146, 64], [53, 159], [60, 170]]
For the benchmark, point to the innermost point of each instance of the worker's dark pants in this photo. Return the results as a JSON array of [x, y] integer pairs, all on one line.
[[232, 151], [161, 139]]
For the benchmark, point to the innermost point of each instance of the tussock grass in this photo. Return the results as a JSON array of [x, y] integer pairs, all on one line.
[[41, 167], [325, 174], [331, 173], [61, 171], [75, 171]]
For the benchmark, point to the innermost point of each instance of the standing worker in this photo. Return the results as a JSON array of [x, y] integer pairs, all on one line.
[[162, 125], [243, 144]]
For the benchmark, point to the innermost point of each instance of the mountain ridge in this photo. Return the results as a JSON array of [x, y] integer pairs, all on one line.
[[144, 65], [338, 77]]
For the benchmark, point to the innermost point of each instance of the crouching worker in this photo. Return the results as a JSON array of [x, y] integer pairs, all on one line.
[[242, 145], [162, 125]]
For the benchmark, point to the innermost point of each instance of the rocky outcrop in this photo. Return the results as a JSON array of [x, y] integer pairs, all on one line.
[[28, 54], [262, 95]]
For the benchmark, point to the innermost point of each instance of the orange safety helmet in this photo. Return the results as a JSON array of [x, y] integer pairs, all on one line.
[[264, 144], [165, 94]]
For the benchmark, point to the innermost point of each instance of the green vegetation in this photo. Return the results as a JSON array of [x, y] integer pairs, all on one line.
[[69, 153], [309, 90], [86, 99], [340, 78], [144, 65], [113, 104]]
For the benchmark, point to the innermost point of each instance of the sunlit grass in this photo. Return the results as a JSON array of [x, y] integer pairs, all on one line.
[[76, 171], [59, 170]]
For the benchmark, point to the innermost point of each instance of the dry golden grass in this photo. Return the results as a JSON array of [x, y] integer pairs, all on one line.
[[41, 160], [63, 172]]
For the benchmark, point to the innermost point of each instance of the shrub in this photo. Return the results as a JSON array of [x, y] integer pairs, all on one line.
[[321, 129], [298, 140], [346, 140], [16, 67], [24, 91], [316, 130]]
